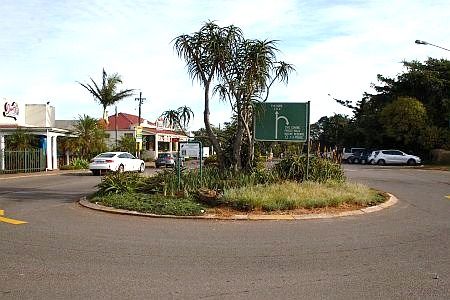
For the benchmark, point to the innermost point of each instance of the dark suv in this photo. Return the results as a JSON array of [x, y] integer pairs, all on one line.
[[359, 157], [167, 159]]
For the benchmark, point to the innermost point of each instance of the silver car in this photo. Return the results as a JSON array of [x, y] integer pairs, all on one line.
[[394, 157]]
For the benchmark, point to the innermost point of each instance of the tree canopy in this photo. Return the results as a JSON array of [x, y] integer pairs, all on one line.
[[239, 70], [107, 94], [410, 111]]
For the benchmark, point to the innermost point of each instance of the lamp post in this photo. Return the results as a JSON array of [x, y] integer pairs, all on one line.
[[419, 42]]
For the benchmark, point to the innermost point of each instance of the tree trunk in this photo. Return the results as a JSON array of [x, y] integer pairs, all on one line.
[[237, 144], [212, 137]]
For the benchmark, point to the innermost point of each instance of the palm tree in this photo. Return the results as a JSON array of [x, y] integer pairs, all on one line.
[[243, 71], [204, 52], [91, 137], [21, 140], [179, 117], [107, 95]]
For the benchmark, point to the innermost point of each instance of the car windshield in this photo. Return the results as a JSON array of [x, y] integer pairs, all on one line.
[[106, 155]]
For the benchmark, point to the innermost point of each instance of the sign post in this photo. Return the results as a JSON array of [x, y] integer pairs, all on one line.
[[190, 148], [138, 137], [283, 122]]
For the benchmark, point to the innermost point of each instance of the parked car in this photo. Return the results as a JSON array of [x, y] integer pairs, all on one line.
[[167, 159], [348, 152], [116, 161], [383, 157], [359, 157]]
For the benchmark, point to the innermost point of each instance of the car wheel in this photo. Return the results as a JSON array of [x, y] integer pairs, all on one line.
[[356, 160], [363, 161], [349, 160], [120, 169], [411, 162], [381, 162], [142, 168]]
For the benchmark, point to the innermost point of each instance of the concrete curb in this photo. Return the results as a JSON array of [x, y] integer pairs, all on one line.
[[43, 173], [392, 201]]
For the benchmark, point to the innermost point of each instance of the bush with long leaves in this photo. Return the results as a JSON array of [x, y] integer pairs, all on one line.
[[320, 170]]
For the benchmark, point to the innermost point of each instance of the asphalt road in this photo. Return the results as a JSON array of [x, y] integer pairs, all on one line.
[[69, 252]]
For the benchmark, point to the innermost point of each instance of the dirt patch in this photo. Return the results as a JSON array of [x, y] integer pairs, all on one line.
[[228, 212]]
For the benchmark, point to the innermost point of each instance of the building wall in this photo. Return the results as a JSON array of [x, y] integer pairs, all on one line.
[[41, 115], [111, 140]]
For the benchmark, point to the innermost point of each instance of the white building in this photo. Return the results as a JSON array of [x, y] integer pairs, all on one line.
[[36, 119]]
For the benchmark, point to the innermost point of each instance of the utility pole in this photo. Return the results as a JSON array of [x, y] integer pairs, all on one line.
[[139, 144], [140, 99], [115, 126]]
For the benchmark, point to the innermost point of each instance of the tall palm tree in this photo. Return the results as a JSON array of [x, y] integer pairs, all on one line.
[[242, 70], [204, 52], [107, 94]]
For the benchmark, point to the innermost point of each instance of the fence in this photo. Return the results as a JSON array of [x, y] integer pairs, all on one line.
[[22, 161]]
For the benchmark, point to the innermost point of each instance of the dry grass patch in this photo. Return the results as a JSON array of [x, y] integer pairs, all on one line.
[[306, 195]]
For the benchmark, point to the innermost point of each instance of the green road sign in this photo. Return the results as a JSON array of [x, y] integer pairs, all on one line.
[[281, 121]]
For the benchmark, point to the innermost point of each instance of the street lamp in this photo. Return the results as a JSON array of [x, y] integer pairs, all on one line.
[[426, 43]]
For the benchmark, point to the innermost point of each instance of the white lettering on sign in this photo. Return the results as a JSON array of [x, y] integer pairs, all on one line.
[[293, 132], [11, 110]]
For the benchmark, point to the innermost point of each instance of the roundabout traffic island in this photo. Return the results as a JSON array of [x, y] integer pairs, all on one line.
[[278, 193], [225, 213]]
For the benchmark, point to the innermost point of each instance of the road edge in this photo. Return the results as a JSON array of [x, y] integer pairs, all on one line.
[[390, 202]]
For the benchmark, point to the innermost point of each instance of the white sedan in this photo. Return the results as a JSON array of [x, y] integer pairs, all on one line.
[[116, 161]]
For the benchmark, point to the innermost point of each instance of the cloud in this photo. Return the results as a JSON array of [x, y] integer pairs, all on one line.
[[338, 47]]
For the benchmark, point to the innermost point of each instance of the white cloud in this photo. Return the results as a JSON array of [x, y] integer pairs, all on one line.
[[45, 47]]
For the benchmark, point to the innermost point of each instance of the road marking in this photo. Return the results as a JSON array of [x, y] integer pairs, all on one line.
[[10, 221]]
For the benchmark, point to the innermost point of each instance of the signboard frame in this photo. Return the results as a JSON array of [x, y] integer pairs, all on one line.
[[279, 113], [200, 158], [284, 121]]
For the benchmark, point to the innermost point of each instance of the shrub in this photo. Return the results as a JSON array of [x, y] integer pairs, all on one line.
[[80, 163], [166, 182], [320, 169], [151, 204], [117, 183], [210, 160]]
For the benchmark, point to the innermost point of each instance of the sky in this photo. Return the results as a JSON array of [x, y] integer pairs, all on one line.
[[337, 48]]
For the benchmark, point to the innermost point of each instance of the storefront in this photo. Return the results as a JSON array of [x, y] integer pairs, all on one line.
[[34, 119]]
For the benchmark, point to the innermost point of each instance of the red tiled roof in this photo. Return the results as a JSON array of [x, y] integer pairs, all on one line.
[[124, 121]]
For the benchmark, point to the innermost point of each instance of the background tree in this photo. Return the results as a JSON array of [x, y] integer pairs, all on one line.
[[21, 140], [331, 131], [107, 94], [410, 111], [404, 121], [127, 143], [91, 137], [179, 118]]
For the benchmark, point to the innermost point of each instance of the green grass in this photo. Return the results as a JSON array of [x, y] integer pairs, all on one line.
[[155, 204], [291, 195]]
